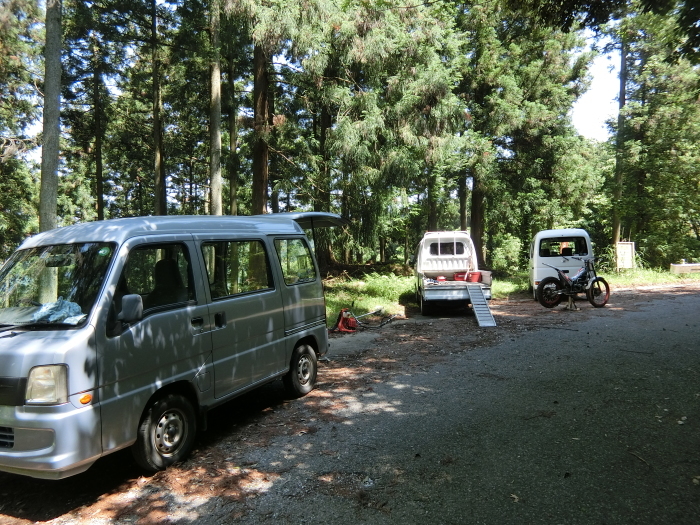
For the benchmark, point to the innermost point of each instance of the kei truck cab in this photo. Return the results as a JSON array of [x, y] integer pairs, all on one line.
[[124, 333], [556, 247]]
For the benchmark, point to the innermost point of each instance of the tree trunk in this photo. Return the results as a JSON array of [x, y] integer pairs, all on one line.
[[462, 193], [161, 205], [48, 194], [619, 146], [215, 113], [260, 147], [97, 105], [477, 220], [432, 205], [273, 165], [233, 140], [324, 248]]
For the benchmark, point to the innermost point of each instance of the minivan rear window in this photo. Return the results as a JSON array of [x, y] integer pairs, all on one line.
[[296, 261], [236, 267], [566, 246]]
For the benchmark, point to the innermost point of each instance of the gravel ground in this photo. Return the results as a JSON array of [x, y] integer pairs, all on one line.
[[551, 417]]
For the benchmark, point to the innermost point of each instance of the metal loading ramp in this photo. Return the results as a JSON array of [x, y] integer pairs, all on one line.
[[481, 308]]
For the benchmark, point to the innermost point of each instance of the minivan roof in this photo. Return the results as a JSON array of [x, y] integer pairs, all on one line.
[[564, 232], [119, 230]]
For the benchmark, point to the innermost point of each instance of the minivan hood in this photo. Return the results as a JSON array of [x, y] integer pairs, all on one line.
[[21, 350]]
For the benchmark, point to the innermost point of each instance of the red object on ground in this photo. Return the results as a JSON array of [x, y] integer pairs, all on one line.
[[460, 276], [474, 277], [346, 322], [441, 278]]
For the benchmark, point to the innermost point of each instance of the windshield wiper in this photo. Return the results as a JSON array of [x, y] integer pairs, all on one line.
[[33, 325]]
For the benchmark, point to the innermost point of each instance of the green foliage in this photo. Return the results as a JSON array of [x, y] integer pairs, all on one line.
[[19, 26], [506, 253], [18, 209]]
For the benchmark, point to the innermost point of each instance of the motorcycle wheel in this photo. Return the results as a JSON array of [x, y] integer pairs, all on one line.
[[598, 293], [547, 292]]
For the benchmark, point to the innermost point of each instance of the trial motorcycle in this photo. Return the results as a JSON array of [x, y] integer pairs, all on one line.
[[551, 290]]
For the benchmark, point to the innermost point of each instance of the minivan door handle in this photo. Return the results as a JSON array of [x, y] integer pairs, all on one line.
[[220, 319], [197, 322]]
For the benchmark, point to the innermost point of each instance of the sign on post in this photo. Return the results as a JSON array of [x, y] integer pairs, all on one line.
[[625, 255]]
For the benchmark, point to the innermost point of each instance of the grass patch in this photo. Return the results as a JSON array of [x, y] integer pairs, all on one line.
[[368, 293], [392, 293], [648, 277], [505, 287]]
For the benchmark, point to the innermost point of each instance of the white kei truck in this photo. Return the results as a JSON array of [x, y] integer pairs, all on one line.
[[124, 333], [446, 272]]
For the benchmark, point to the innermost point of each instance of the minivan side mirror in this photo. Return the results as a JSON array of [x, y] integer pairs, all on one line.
[[132, 308]]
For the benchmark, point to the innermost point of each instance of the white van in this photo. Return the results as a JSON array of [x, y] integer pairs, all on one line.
[[556, 247], [125, 332]]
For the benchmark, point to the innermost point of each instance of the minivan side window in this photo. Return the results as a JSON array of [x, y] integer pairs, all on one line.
[[565, 246], [295, 260], [160, 273], [236, 267]]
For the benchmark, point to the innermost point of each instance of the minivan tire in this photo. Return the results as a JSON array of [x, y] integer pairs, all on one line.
[[166, 434], [303, 367]]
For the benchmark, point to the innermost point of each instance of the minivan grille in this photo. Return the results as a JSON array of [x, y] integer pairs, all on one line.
[[7, 437]]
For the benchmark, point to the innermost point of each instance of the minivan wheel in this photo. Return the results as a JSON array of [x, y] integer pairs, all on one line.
[[301, 378], [166, 433]]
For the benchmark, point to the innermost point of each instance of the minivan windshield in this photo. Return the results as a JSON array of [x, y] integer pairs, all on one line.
[[53, 285]]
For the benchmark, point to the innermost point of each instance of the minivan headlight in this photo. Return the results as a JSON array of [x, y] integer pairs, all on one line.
[[47, 385]]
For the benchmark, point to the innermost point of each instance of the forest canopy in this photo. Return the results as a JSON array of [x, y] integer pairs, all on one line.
[[401, 116]]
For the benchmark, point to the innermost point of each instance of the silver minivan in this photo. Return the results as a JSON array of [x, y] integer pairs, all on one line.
[[126, 332]]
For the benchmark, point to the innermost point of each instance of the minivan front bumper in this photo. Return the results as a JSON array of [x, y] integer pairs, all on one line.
[[49, 442]]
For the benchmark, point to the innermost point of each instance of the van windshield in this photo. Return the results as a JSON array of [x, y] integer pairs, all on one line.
[[566, 246], [53, 285]]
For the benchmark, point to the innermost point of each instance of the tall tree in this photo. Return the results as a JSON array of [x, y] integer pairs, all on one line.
[[52, 127], [18, 60], [660, 185], [161, 207], [215, 109], [94, 53], [261, 87], [520, 81]]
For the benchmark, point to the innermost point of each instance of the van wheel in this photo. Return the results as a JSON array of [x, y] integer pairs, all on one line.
[[166, 434], [301, 378], [425, 308]]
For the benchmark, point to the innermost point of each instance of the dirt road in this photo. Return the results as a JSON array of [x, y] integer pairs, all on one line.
[[552, 417]]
